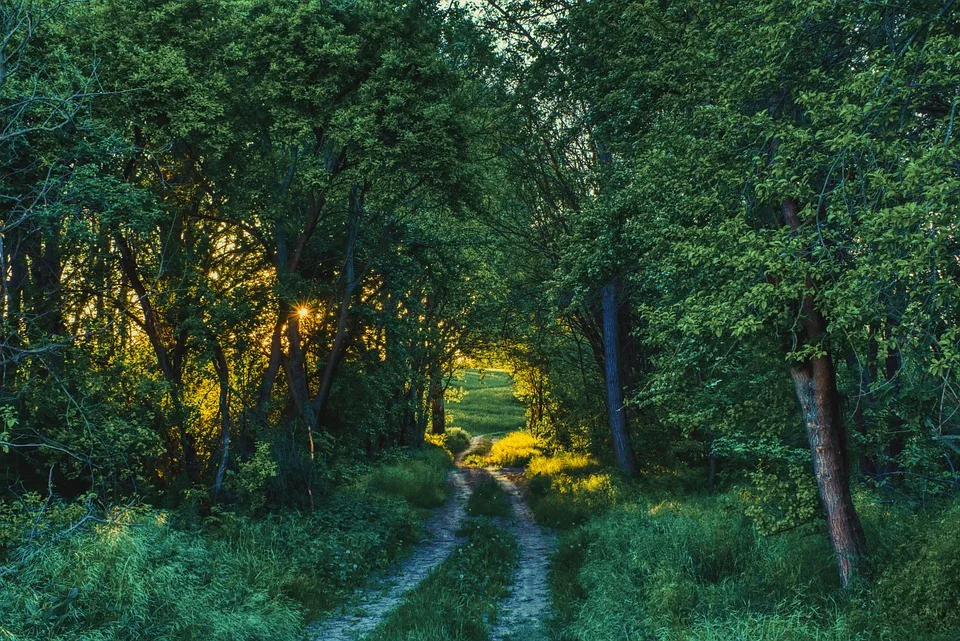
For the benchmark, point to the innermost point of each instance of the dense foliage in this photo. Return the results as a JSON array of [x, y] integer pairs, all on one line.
[[249, 246]]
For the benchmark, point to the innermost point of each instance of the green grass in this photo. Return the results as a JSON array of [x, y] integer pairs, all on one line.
[[420, 479], [488, 405], [459, 598], [488, 499], [688, 567], [569, 489], [151, 574]]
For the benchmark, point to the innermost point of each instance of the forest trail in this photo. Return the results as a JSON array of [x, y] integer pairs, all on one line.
[[524, 613], [362, 616]]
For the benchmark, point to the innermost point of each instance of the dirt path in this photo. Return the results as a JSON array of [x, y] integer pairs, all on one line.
[[524, 613], [378, 601]]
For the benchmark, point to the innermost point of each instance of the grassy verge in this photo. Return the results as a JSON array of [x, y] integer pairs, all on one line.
[[148, 574], [487, 405], [458, 600], [644, 565], [568, 489], [420, 479], [488, 499]]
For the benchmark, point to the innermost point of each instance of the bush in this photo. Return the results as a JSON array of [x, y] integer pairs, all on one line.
[[488, 499], [514, 450], [458, 440], [454, 440], [420, 479]]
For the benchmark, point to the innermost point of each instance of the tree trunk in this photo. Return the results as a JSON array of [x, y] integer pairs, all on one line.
[[223, 375], [815, 381], [622, 450], [438, 418], [351, 282]]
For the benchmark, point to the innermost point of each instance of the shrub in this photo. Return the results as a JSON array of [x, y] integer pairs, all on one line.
[[488, 499], [250, 480], [458, 440], [454, 440], [514, 450]]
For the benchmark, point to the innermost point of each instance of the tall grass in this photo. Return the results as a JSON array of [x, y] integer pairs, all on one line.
[[695, 568], [568, 489], [154, 575], [421, 479], [488, 499]]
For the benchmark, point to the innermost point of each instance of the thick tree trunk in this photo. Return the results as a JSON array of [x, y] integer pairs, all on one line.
[[622, 450], [815, 381]]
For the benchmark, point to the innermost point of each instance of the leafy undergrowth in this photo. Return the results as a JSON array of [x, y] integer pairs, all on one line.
[[454, 440], [568, 489], [695, 568], [457, 602], [149, 574], [488, 499]]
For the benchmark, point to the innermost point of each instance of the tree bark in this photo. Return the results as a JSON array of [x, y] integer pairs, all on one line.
[[622, 450], [815, 382]]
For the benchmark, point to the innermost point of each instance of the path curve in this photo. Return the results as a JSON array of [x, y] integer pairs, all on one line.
[[378, 601], [523, 615]]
